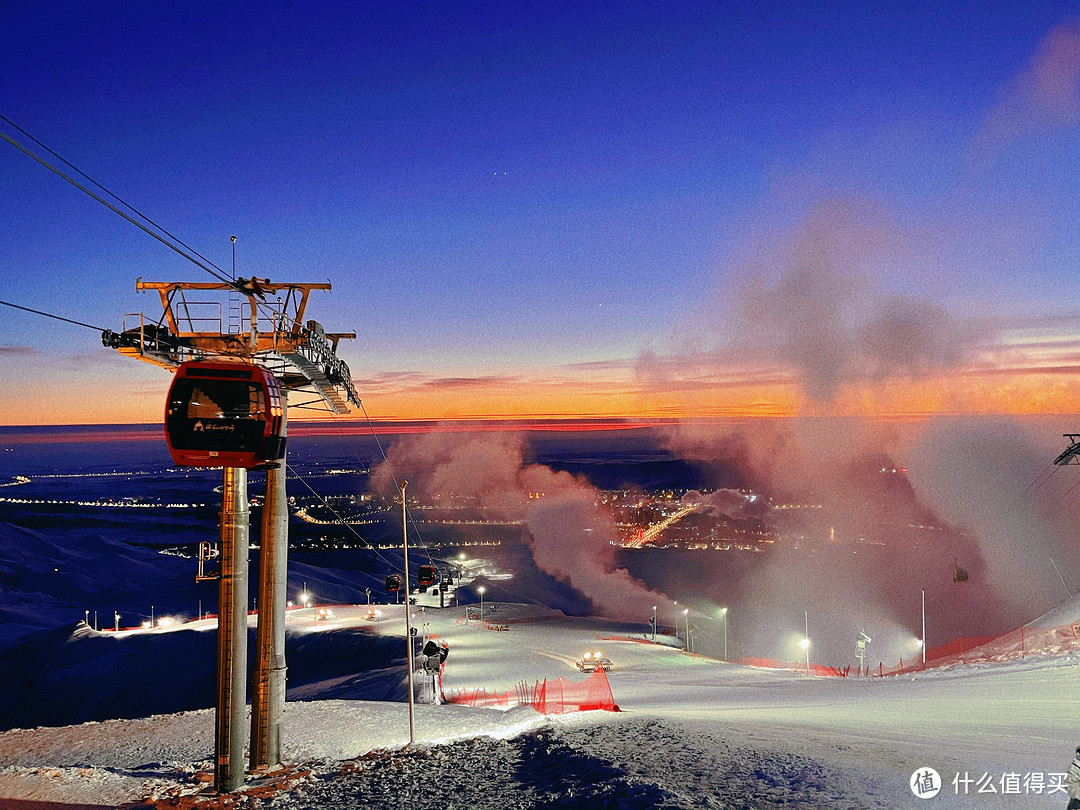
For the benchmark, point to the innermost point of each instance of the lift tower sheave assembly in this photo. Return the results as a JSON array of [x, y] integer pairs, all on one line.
[[227, 408]]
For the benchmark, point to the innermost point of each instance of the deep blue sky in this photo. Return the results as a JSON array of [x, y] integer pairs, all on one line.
[[499, 190]]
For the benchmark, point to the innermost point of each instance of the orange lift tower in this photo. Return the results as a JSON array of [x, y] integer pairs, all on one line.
[[227, 407]]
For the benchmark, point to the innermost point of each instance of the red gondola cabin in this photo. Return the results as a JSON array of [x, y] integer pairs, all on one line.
[[224, 414], [393, 583], [425, 576]]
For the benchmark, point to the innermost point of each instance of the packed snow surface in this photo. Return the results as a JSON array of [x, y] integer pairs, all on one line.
[[693, 732]]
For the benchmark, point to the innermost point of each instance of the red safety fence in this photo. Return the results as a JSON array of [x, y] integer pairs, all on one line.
[[480, 697], [557, 696], [1019, 643], [818, 670]]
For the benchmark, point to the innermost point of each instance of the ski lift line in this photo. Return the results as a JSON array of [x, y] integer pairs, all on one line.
[[298, 477], [220, 276], [341, 432], [390, 469], [1067, 493], [1036, 483], [50, 315], [115, 196], [250, 287], [80, 323], [209, 266]]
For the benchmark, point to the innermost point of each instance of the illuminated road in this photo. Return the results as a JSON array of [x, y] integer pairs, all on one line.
[[655, 529]]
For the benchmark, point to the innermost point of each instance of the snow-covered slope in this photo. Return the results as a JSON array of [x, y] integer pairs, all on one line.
[[693, 731]]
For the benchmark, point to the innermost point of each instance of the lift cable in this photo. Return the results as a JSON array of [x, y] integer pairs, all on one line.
[[176, 244], [80, 323], [390, 469], [1043, 477], [1066, 493], [296, 474], [50, 315]]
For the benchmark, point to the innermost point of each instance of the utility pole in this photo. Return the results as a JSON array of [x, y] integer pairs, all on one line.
[[723, 614], [408, 625], [923, 645]]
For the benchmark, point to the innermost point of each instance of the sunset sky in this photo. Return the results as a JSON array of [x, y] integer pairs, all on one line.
[[571, 210]]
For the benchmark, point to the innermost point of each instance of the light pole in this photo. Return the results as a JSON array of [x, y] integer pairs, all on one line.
[[408, 625], [481, 590], [87, 619], [723, 615], [805, 643], [654, 622], [116, 622], [151, 617], [676, 609], [923, 642], [686, 618]]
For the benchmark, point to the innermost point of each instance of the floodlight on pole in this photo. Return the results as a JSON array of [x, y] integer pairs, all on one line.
[[408, 626], [654, 622], [686, 618], [480, 591], [723, 615], [805, 643], [676, 609], [922, 641]]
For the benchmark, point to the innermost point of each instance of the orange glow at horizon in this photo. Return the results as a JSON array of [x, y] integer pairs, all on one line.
[[582, 395]]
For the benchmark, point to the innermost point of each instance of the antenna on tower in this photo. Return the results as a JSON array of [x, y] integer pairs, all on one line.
[[234, 296]]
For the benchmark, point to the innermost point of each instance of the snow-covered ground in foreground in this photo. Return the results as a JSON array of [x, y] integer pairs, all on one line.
[[692, 732]]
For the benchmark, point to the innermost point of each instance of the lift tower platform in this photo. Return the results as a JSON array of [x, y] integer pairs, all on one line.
[[262, 323]]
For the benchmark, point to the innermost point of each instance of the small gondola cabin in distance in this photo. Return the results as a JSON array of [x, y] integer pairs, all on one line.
[[224, 413], [425, 576]]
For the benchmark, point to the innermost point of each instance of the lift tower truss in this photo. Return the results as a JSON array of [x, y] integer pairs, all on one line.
[[1072, 452], [271, 333], [195, 323]]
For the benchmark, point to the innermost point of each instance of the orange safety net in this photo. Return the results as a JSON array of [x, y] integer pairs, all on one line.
[[561, 696], [547, 697], [819, 670], [1019, 643], [480, 697]]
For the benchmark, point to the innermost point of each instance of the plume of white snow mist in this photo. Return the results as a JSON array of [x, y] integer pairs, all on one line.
[[570, 537], [994, 476], [828, 316], [881, 512]]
